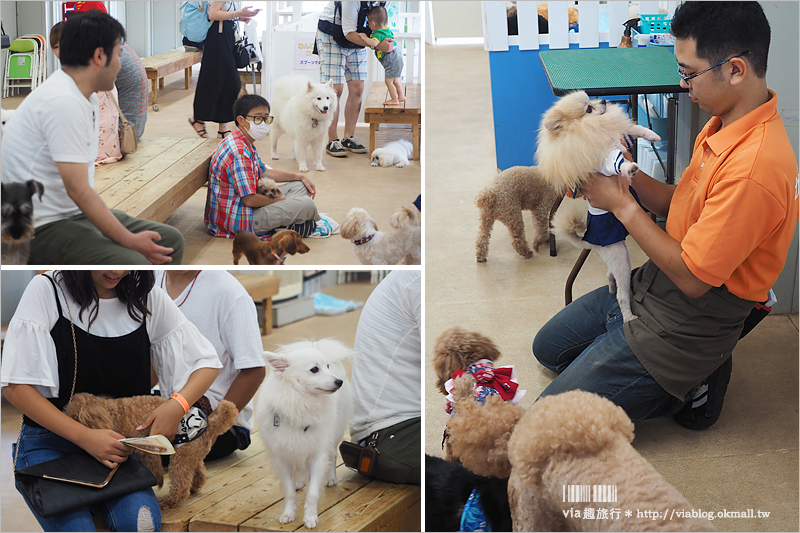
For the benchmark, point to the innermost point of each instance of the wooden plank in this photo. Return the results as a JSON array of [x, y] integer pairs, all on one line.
[[370, 508], [408, 520], [107, 175], [350, 483], [241, 470], [118, 195], [162, 195]]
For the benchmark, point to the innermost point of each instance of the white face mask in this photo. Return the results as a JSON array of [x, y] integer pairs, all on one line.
[[258, 131]]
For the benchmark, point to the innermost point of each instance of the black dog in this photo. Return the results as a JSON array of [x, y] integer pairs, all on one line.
[[447, 488], [17, 220]]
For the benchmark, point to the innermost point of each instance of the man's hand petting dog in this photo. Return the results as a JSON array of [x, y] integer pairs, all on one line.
[[164, 420], [104, 445], [610, 193]]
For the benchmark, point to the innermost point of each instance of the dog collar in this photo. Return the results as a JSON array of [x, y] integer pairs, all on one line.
[[276, 422], [365, 240], [280, 259], [314, 122]]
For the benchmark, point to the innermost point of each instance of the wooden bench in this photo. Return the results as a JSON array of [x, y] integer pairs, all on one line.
[[408, 112], [166, 63], [243, 494], [155, 180], [261, 288]]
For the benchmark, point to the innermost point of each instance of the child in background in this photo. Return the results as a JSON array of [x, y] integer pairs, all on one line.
[[378, 20]]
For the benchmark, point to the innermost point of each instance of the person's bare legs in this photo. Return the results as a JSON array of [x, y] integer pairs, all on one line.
[[401, 97], [332, 135], [223, 128], [355, 91], [392, 92]]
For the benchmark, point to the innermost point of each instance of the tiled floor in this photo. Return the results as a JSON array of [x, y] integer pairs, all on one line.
[[748, 460], [14, 514]]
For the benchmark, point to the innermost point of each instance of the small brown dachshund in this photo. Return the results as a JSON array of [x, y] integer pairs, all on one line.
[[272, 252]]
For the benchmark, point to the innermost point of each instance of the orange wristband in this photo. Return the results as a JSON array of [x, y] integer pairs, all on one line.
[[181, 400]]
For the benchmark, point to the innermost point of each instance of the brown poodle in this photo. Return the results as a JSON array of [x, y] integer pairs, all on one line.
[[187, 473], [511, 192], [571, 439], [459, 350]]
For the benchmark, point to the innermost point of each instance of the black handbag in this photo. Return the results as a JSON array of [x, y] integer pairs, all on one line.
[[78, 479], [241, 50]]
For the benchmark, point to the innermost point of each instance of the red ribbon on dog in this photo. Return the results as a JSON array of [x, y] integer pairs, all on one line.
[[498, 379]]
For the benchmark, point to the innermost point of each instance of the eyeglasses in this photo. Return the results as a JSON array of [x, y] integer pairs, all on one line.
[[687, 78], [258, 120]]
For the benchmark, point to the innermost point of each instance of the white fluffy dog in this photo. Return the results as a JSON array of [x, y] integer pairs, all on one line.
[[394, 153], [373, 247], [303, 409], [303, 110]]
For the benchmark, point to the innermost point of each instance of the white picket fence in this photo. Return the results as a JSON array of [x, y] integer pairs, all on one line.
[[495, 27]]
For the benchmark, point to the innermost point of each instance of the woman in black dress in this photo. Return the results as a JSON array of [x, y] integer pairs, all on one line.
[[218, 84]]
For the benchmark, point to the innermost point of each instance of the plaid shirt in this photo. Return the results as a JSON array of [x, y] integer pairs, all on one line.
[[234, 172]]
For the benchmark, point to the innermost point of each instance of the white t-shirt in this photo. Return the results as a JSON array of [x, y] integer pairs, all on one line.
[[55, 123], [387, 367], [349, 15], [223, 310], [29, 354]]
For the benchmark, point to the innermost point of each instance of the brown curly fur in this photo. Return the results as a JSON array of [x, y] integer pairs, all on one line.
[[456, 349], [478, 433], [580, 438], [511, 192], [187, 473]]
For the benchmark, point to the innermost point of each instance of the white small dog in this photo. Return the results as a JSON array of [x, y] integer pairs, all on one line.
[[395, 153], [303, 409], [303, 110], [373, 247]]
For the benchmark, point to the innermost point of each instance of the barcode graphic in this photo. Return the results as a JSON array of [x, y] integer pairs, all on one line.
[[590, 493]]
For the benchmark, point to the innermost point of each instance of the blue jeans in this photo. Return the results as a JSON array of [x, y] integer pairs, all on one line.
[[585, 344], [38, 445]]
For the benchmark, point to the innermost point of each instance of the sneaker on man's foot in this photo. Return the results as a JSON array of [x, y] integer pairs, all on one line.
[[354, 145], [704, 407], [335, 149]]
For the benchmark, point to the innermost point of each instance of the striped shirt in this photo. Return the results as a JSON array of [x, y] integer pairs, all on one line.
[[234, 172]]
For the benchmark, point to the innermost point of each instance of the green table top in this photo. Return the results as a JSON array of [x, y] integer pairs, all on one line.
[[612, 71]]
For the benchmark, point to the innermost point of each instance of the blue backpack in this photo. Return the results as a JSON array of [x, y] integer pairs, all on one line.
[[194, 21]]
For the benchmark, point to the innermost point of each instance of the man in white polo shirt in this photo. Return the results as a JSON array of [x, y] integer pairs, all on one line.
[[54, 139]]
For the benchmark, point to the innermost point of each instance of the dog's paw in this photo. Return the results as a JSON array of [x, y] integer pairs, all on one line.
[[632, 317], [287, 517], [310, 520], [275, 157], [303, 168], [332, 481], [319, 167], [400, 164], [629, 169], [481, 259]]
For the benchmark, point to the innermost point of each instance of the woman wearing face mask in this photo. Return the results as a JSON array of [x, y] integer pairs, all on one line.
[[233, 203]]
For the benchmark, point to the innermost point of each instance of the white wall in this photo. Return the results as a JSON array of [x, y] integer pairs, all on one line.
[[458, 19]]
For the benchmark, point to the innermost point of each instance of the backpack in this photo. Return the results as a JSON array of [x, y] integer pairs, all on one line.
[[194, 21], [334, 28]]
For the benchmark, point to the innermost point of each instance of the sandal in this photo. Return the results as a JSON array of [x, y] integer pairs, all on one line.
[[222, 134], [201, 132]]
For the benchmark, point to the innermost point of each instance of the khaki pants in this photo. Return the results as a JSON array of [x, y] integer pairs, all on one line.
[[76, 241]]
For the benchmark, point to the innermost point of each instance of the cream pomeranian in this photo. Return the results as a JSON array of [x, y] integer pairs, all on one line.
[[578, 137]]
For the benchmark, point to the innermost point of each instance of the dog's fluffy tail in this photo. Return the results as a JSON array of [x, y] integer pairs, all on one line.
[[223, 417], [485, 198], [569, 222], [404, 218]]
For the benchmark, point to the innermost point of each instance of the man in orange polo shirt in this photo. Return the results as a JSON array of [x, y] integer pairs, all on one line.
[[730, 222]]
